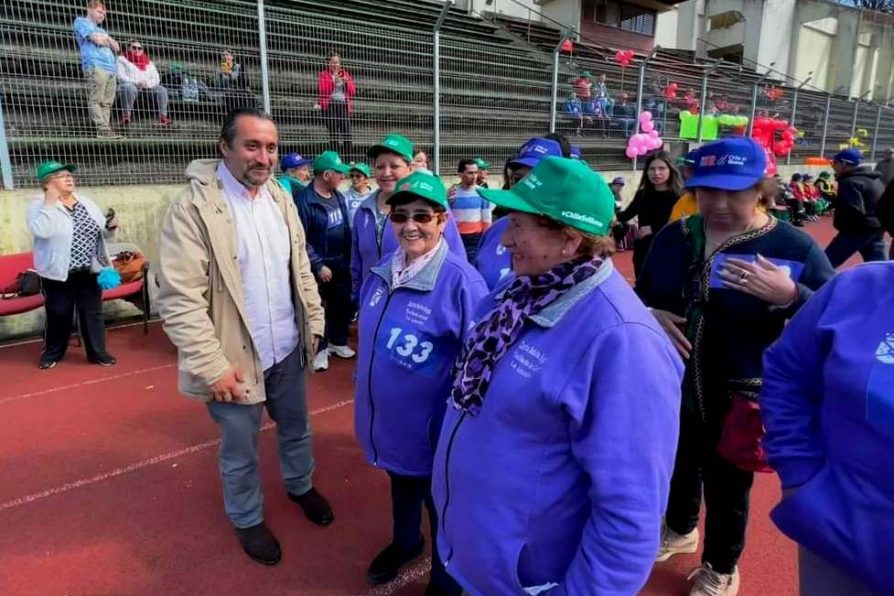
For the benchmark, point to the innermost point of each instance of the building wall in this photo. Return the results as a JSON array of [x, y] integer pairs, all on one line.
[[814, 52], [522, 9], [616, 38], [773, 39]]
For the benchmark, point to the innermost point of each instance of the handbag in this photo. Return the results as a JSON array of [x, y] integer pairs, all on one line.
[[27, 284], [129, 265], [742, 435]]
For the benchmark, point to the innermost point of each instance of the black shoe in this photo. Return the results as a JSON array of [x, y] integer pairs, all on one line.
[[387, 563], [104, 360], [260, 544], [316, 508], [46, 364]]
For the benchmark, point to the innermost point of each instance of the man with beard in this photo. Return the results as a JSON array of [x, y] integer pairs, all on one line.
[[240, 303]]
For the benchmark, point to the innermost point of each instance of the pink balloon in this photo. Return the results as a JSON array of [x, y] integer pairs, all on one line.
[[631, 153], [653, 133], [658, 143], [645, 116], [647, 126]]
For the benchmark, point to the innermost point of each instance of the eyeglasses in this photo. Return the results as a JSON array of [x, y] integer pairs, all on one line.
[[399, 218]]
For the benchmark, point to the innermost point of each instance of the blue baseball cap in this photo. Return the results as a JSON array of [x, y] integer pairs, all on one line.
[[576, 152], [293, 160], [618, 181], [534, 150], [731, 164], [850, 157]]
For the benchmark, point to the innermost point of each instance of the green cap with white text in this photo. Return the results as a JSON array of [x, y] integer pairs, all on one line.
[[394, 143], [420, 185], [564, 190], [329, 160]]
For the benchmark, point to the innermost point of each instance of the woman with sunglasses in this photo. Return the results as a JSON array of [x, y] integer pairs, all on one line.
[[137, 73], [373, 236], [360, 188], [415, 309]]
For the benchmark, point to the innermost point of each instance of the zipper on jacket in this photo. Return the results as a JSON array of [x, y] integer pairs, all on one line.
[[372, 404], [447, 483]]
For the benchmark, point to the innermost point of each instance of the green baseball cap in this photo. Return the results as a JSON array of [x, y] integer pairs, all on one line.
[[393, 143], [329, 160], [51, 167], [420, 185], [562, 189], [362, 168], [482, 163], [586, 75]]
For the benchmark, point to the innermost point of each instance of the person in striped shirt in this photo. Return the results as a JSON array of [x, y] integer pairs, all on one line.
[[472, 213]]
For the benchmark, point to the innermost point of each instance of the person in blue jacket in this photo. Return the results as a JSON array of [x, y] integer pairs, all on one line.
[[828, 405], [415, 309], [722, 284], [552, 468], [493, 261], [372, 233]]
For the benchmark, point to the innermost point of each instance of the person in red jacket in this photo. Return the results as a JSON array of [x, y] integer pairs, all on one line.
[[336, 90]]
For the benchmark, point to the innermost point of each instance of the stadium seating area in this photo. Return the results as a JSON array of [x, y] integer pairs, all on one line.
[[495, 86]]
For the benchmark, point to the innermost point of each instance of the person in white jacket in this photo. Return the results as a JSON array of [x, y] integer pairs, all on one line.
[[136, 73]]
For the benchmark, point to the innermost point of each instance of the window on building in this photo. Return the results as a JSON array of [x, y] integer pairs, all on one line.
[[628, 17]]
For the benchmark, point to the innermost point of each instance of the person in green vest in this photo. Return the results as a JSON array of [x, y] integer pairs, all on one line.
[[295, 173]]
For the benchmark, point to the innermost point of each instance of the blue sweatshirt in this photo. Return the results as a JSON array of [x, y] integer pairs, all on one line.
[[409, 340], [828, 405], [369, 245], [494, 261], [563, 476]]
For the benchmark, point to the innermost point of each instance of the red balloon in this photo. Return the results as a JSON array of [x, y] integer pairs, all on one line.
[[567, 46], [673, 86]]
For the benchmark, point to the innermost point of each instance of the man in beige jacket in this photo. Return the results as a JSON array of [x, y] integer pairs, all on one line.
[[239, 301]]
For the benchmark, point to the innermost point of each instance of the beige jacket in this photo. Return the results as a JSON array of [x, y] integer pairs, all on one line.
[[200, 287]]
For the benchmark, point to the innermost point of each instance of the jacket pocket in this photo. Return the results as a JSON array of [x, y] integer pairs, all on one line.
[[520, 574]]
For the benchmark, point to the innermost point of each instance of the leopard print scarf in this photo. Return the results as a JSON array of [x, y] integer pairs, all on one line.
[[492, 337]]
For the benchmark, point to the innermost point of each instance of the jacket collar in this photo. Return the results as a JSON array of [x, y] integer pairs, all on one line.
[[204, 173], [425, 279], [552, 314], [313, 198]]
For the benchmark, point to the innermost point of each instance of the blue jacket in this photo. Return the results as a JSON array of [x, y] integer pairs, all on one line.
[[409, 340], [563, 476], [828, 405], [368, 247], [315, 219], [494, 262]]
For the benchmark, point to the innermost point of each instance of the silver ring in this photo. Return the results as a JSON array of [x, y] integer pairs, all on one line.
[[743, 278]]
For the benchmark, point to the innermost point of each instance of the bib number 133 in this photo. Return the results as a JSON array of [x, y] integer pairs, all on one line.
[[407, 345]]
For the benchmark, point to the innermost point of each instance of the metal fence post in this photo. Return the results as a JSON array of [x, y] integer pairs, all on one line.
[[753, 109], [641, 82], [788, 158], [854, 120], [825, 125], [704, 105], [878, 121], [555, 90], [265, 71], [5, 161], [436, 100]]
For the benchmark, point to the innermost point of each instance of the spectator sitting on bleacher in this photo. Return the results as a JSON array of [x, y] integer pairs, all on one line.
[[624, 113], [583, 86], [574, 112], [98, 50], [190, 88], [229, 72], [656, 101], [136, 73], [826, 186], [600, 93], [336, 90], [722, 105], [690, 102]]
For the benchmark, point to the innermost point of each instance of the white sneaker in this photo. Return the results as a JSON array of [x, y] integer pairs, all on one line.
[[710, 583], [321, 361], [342, 351], [676, 544]]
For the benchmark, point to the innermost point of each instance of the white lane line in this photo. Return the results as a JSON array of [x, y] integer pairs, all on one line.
[[132, 373], [112, 327], [409, 575], [141, 464]]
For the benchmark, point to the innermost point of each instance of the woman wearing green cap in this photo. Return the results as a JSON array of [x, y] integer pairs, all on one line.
[[415, 309], [360, 188], [69, 251], [722, 285], [372, 233], [552, 468]]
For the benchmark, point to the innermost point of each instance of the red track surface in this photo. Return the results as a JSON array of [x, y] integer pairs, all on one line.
[[110, 486]]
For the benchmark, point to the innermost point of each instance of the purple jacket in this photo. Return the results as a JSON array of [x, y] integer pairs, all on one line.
[[368, 247], [494, 261], [562, 478], [409, 340], [828, 405]]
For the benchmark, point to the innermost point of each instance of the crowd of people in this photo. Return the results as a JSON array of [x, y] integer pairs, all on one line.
[[495, 348]]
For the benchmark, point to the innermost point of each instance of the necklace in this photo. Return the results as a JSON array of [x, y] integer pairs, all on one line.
[[712, 245]]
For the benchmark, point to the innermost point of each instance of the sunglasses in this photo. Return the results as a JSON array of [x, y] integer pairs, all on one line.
[[138, 48], [422, 218]]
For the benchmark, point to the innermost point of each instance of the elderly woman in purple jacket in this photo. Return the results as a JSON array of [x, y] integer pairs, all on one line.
[[415, 308], [552, 468]]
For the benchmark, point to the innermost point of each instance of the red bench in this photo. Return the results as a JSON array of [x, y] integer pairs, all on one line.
[[135, 292]]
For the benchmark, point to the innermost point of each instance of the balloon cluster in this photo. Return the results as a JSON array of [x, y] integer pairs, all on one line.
[[857, 141], [774, 93], [567, 46], [765, 132], [624, 57], [731, 120], [647, 140], [670, 92]]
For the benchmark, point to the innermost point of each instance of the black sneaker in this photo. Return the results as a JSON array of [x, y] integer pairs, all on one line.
[[316, 508], [388, 563], [260, 544], [104, 360], [46, 364]]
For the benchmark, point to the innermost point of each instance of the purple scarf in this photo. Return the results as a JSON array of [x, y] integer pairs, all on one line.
[[497, 331]]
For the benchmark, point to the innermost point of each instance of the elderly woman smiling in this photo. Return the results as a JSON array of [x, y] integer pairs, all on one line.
[[415, 309], [552, 469]]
